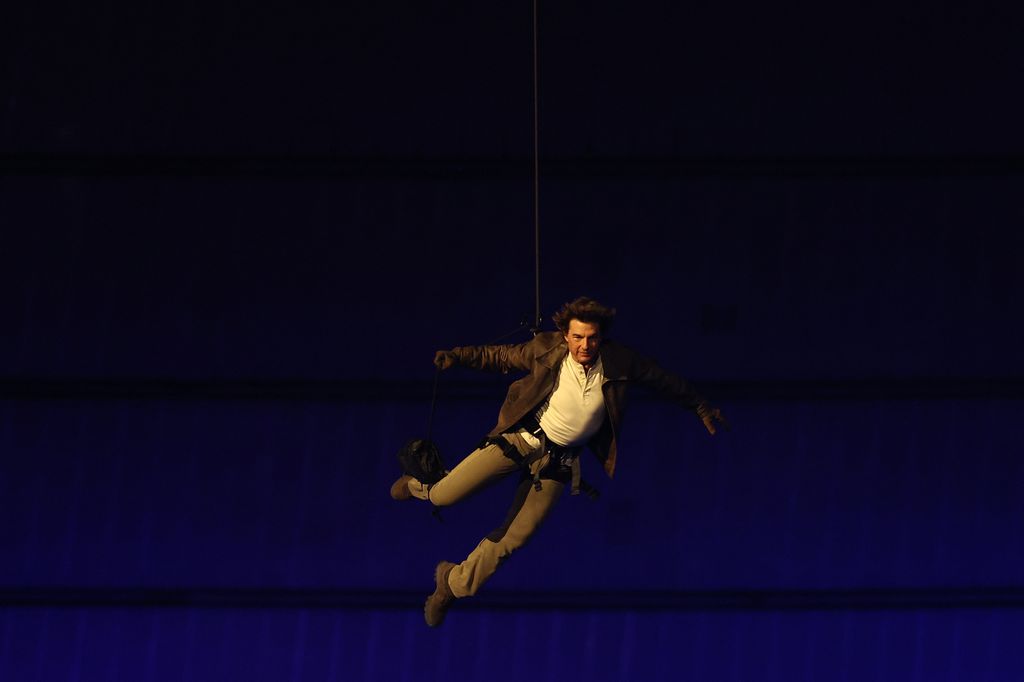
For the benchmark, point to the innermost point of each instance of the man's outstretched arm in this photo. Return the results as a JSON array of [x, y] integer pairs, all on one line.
[[494, 358], [650, 374]]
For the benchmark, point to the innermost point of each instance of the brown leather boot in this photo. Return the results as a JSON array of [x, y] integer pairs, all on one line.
[[437, 604], [400, 488]]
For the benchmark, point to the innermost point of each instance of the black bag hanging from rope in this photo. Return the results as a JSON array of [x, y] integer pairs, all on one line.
[[421, 459]]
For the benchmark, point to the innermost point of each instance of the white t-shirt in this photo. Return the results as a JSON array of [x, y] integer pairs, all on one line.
[[575, 409]]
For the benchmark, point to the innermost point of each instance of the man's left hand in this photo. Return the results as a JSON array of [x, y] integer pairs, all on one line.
[[709, 415]]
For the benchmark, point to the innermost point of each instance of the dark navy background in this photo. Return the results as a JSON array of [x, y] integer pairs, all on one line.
[[233, 237]]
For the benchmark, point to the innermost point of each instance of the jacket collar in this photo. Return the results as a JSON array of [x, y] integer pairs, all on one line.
[[555, 352]]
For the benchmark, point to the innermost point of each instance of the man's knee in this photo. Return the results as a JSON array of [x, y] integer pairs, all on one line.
[[440, 495], [527, 513]]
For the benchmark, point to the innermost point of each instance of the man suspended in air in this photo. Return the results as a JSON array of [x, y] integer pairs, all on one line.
[[572, 396]]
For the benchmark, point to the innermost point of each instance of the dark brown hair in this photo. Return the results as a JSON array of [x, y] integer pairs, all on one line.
[[584, 309]]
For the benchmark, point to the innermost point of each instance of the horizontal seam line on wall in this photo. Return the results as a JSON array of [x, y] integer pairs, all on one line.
[[29, 388], [711, 600], [471, 168]]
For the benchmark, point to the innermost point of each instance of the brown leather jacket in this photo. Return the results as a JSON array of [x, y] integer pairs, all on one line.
[[542, 356]]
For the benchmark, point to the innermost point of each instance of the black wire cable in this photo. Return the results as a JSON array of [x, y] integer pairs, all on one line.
[[433, 403], [535, 328]]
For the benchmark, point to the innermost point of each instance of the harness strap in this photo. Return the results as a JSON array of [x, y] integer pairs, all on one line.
[[552, 451], [544, 451]]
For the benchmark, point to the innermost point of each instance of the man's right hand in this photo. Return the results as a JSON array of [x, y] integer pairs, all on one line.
[[445, 359]]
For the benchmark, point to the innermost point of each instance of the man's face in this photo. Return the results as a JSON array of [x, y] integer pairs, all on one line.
[[584, 339]]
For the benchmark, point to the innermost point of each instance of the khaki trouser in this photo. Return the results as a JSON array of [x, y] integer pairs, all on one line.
[[529, 507]]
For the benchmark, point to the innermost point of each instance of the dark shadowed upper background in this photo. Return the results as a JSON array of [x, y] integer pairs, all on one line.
[[772, 191]]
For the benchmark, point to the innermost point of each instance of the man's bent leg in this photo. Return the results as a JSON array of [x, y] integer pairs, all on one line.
[[529, 509], [479, 468]]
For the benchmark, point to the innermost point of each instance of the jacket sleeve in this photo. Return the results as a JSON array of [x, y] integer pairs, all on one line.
[[648, 373], [497, 358]]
